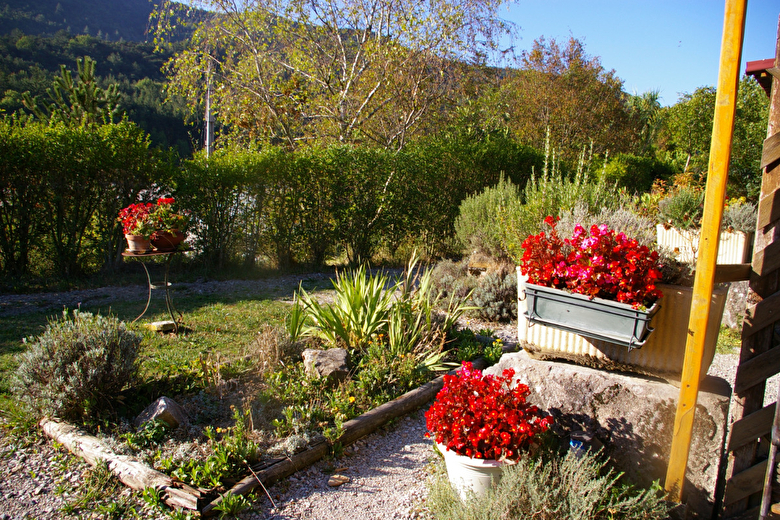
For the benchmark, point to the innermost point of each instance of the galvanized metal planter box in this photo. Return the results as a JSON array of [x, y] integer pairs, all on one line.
[[661, 355], [595, 318]]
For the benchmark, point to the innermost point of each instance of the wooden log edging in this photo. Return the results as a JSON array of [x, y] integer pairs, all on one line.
[[129, 470], [139, 476], [354, 429]]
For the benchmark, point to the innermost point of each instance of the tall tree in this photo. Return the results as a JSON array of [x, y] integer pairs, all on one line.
[[79, 102], [349, 71], [686, 134], [563, 89]]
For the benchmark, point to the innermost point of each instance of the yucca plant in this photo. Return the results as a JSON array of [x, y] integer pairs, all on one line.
[[359, 311]]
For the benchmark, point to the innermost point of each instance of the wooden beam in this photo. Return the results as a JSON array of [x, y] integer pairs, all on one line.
[[129, 470], [749, 428], [760, 315], [767, 260], [771, 152], [704, 281], [745, 484], [725, 273], [757, 370], [768, 210]]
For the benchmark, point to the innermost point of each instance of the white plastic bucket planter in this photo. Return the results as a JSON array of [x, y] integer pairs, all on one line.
[[468, 475]]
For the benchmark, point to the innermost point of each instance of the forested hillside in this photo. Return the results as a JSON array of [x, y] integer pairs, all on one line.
[[117, 20], [36, 38]]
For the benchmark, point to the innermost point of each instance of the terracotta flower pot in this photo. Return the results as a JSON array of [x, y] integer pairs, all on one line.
[[167, 241], [138, 244]]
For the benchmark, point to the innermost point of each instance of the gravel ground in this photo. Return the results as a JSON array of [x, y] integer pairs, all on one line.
[[386, 471]]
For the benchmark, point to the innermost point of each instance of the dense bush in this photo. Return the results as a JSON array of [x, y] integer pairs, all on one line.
[[61, 189], [495, 296], [551, 487], [554, 194], [478, 226], [78, 366], [683, 208], [634, 173]]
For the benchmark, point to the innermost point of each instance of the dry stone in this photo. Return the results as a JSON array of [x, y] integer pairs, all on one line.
[[165, 409], [633, 417], [330, 364]]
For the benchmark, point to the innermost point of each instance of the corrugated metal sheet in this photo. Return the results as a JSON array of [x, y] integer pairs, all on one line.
[[733, 248], [662, 354]]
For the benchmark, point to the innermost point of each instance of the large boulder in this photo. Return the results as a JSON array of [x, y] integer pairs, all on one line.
[[330, 364], [164, 409], [633, 417]]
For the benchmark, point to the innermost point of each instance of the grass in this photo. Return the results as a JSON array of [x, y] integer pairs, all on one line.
[[215, 323], [729, 341]]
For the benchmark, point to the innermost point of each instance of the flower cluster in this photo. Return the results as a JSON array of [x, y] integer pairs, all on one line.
[[600, 263], [146, 219], [483, 417]]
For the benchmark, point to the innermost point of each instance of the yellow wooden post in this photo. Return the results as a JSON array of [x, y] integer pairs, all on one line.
[[720, 152]]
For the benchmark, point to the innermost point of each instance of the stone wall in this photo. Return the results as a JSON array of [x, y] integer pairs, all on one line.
[[633, 417]]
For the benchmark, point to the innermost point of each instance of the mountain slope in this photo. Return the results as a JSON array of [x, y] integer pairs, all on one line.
[[109, 19]]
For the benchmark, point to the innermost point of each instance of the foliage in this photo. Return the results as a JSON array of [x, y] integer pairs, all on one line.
[[231, 505], [452, 279], [78, 366], [550, 487], [365, 308], [360, 310], [687, 131], [555, 193], [739, 215], [495, 296], [61, 189], [341, 72], [485, 416], [635, 173], [228, 456], [624, 219], [77, 103], [478, 226], [683, 208], [599, 263], [562, 90], [148, 434]]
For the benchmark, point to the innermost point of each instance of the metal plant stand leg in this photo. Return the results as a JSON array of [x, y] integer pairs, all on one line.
[[172, 310], [169, 299], [149, 295]]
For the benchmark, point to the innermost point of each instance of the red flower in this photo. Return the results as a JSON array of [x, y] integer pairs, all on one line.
[[599, 263], [484, 416]]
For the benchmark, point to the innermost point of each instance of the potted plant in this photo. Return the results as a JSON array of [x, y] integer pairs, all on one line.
[[481, 423], [168, 225], [137, 225], [149, 226], [588, 297]]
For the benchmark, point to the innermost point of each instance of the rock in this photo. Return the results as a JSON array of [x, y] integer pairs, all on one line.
[[633, 417], [330, 364], [165, 409], [337, 480], [736, 304]]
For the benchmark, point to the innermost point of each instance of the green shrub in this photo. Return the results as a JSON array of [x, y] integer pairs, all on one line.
[[551, 488], [495, 296], [77, 366], [740, 217], [634, 173], [452, 279], [683, 208], [554, 193], [478, 226]]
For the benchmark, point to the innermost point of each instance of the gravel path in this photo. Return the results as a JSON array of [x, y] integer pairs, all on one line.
[[387, 470]]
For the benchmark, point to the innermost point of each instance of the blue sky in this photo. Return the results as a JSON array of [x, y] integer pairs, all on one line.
[[671, 46]]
